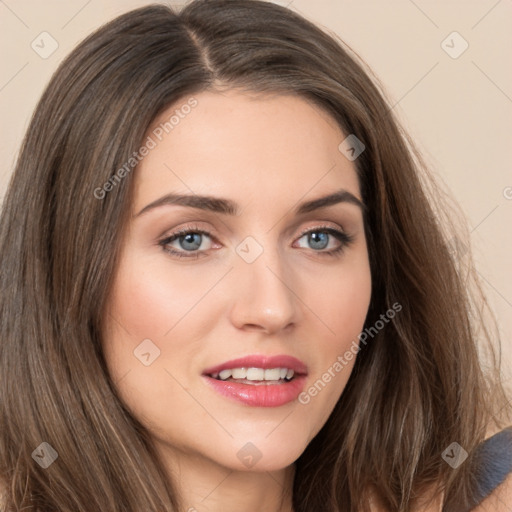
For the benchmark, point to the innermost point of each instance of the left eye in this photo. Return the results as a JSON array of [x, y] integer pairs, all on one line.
[[319, 239]]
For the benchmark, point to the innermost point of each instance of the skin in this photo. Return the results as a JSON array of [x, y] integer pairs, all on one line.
[[266, 153]]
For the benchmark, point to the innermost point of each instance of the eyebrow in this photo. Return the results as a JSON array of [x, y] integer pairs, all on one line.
[[229, 207]]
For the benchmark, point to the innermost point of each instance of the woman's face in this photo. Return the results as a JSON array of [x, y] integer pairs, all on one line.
[[257, 273]]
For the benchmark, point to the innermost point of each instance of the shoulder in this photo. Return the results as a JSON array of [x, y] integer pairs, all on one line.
[[494, 460], [494, 472], [499, 500]]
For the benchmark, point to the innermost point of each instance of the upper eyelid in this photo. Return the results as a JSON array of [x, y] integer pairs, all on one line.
[[319, 227], [197, 229], [183, 231]]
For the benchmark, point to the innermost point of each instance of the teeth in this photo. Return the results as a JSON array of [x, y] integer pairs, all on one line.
[[273, 374], [224, 374], [253, 374], [239, 373]]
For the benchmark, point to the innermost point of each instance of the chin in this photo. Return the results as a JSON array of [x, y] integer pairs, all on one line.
[[263, 454]]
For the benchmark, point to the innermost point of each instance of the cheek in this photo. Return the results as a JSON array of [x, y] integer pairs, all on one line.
[[340, 300], [158, 309], [345, 304], [340, 307], [151, 296], [147, 314]]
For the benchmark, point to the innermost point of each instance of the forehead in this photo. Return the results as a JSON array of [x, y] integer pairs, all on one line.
[[240, 145]]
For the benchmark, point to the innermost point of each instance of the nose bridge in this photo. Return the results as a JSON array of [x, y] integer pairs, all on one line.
[[264, 295]]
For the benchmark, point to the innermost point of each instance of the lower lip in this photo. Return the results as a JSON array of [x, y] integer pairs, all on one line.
[[264, 395]]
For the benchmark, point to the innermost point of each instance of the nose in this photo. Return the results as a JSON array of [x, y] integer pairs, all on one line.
[[263, 297]]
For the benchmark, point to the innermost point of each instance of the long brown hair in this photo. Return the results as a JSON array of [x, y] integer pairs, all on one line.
[[417, 387]]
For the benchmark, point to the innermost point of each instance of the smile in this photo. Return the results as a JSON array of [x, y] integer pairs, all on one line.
[[259, 381]]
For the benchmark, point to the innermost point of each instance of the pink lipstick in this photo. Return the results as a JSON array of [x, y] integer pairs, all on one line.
[[258, 380]]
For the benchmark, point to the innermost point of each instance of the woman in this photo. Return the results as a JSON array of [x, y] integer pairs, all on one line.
[[224, 286]]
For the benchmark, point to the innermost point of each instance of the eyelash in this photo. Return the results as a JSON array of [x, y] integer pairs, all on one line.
[[344, 239]]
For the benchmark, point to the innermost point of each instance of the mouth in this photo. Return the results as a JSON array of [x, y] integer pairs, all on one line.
[[255, 376], [259, 381]]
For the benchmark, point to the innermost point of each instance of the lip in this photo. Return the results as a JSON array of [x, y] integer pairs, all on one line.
[[260, 395]]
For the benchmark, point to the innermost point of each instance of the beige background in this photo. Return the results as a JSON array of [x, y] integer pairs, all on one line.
[[459, 110]]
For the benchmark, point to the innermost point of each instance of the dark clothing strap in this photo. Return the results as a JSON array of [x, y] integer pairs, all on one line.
[[493, 460]]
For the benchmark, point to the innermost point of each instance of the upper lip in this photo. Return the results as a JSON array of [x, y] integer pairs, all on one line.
[[261, 361]]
